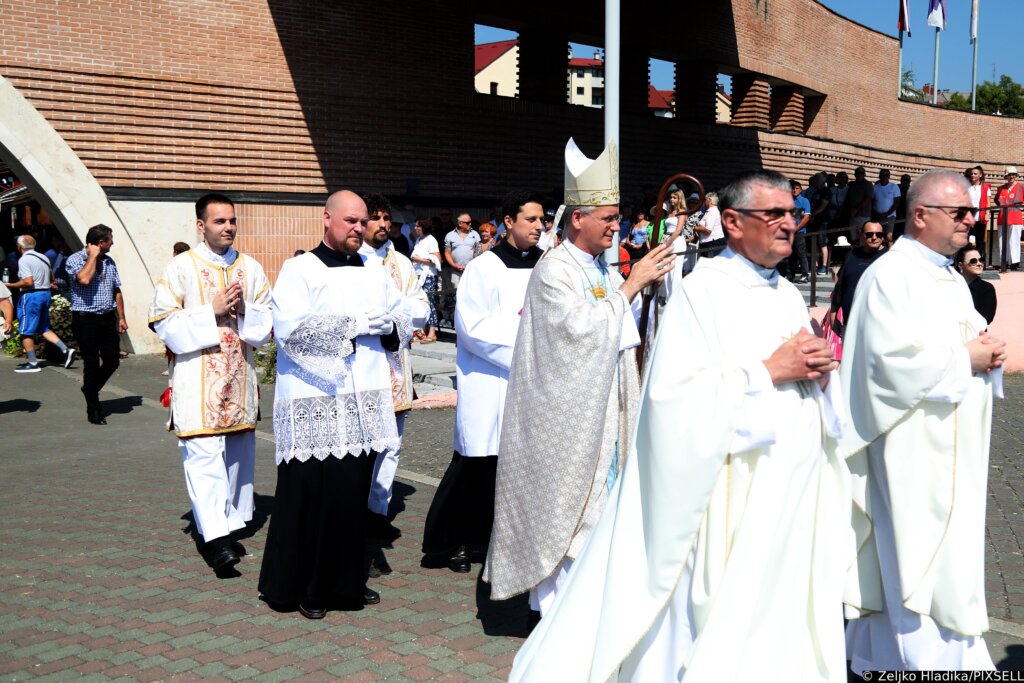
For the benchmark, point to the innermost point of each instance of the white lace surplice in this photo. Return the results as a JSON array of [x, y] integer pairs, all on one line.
[[333, 394]]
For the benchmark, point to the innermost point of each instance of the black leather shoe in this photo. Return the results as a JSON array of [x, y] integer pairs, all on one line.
[[460, 562], [312, 612], [222, 558], [238, 548], [370, 597], [96, 417]]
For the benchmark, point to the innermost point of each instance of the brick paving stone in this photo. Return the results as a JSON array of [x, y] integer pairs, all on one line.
[[107, 583]]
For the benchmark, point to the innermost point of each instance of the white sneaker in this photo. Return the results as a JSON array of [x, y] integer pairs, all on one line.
[[67, 358], [28, 367]]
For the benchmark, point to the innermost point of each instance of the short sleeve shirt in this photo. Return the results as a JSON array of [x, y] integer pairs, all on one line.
[[98, 295], [804, 205], [462, 247], [885, 196], [38, 266]]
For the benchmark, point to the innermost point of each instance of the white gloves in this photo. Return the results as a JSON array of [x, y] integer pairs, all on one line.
[[376, 322]]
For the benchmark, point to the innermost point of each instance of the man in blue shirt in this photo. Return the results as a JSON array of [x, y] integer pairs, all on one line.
[[97, 314], [799, 257], [35, 275]]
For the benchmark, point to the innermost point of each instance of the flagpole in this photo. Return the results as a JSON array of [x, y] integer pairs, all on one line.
[[935, 71], [974, 66], [612, 55], [899, 71]]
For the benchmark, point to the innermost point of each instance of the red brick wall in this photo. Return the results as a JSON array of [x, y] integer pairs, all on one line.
[[292, 96]]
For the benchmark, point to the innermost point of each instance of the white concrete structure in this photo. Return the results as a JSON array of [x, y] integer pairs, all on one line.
[[143, 232]]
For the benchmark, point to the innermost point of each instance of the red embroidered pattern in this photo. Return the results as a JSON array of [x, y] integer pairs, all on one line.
[[224, 370]]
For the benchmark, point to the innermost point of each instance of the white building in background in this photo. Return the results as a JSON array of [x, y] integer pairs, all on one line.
[[586, 80], [497, 68]]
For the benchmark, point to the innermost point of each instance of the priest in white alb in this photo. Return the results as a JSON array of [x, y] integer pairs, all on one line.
[[487, 315], [378, 252], [337, 324], [212, 310], [723, 552], [572, 393], [920, 371]]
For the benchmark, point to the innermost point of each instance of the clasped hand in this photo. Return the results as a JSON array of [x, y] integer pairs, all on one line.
[[229, 301], [377, 322], [805, 356], [987, 353]]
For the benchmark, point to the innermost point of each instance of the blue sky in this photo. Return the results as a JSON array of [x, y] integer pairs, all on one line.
[[999, 27]]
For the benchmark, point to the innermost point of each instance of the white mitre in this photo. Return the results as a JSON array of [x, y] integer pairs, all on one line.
[[591, 182]]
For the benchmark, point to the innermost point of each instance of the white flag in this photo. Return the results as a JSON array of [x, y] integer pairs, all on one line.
[[937, 14], [974, 20]]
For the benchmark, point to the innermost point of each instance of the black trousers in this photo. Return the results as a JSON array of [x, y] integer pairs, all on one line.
[[462, 511], [99, 345], [316, 544]]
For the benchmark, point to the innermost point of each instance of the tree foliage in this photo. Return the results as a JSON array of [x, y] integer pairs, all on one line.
[[1004, 98]]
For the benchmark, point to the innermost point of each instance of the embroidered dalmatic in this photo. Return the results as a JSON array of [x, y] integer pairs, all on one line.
[[213, 371], [400, 269], [571, 402], [334, 390]]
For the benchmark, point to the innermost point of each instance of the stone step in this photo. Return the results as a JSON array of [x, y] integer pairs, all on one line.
[[433, 371]]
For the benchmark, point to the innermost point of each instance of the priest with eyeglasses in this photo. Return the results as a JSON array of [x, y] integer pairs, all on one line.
[[722, 552], [921, 372]]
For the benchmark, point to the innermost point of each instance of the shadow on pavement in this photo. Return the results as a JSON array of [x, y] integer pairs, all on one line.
[[1014, 659], [19, 405], [502, 617], [120, 406]]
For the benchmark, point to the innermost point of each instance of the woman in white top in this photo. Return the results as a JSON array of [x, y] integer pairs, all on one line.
[[710, 226], [426, 259]]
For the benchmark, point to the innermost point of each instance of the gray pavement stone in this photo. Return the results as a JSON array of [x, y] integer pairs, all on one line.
[[99, 579]]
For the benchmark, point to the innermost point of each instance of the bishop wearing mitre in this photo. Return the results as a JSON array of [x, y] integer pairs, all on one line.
[[572, 393]]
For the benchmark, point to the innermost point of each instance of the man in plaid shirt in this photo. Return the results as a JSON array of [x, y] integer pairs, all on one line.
[[97, 314]]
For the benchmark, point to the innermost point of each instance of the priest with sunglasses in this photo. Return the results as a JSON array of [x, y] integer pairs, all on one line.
[[920, 371]]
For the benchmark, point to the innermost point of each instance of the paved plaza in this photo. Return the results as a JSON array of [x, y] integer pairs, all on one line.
[[100, 580]]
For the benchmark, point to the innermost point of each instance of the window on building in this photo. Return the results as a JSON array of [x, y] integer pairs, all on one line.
[[598, 100], [585, 61], [723, 98], [496, 61], [661, 88]]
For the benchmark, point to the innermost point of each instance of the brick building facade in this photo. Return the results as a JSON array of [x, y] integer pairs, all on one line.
[[124, 112]]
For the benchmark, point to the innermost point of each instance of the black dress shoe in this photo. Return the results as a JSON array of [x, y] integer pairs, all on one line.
[[370, 597], [312, 612], [238, 548], [96, 417], [222, 558], [460, 562]]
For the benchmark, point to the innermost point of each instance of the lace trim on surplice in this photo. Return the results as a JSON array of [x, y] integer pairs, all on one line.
[[349, 424]]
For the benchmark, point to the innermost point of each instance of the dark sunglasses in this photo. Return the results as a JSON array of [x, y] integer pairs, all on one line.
[[973, 261], [875, 234], [959, 213]]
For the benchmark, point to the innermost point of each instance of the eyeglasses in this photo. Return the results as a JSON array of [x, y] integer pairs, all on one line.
[[974, 261], [465, 222], [772, 216], [607, 220], [879, 235], [959, 213]]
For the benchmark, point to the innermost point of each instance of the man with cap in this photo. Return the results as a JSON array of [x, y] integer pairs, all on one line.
[[1012, 192], [572, 393]]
